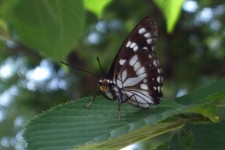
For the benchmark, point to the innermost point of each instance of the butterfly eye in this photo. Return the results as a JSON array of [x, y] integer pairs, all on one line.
[[100, 82], [105, 82]]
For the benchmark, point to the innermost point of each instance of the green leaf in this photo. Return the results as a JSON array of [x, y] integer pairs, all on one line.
[[206, 99], [206, 137], [214, 91], [171, 10], [96, 6], [209, 111], [140, 134], [51, 27], [98, 127], [71, 125]]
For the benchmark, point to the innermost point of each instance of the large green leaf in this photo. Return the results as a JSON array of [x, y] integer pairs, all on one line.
[[171, 10], [70, 125], [52, 27]]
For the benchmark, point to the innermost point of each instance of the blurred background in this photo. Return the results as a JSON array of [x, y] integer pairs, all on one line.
[[192, 54]]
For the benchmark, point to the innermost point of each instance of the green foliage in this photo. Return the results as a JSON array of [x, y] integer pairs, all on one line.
[[171, 10], [96, 6], [34, 32], [205, 137], [50, 27], [70, 125]]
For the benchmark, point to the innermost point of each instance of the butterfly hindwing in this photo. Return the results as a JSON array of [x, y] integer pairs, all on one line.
[[140, 79]]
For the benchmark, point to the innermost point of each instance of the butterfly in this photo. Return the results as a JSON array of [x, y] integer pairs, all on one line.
[[135, 75]]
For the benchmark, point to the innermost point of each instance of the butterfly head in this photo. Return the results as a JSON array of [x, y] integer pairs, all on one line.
[[105, 86]]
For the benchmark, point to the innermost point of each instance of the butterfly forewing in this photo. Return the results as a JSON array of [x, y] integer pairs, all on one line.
[[143, 36], [135, 71]]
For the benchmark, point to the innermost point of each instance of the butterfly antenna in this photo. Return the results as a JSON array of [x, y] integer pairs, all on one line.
[[77, 68], [102, 72]]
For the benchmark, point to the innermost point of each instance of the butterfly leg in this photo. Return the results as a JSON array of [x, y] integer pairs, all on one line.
[[91, 100], [119, 109], [129, 97], [119, 101], [136, 100]]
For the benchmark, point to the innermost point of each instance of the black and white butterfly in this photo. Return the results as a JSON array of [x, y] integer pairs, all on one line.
[[135, 75]]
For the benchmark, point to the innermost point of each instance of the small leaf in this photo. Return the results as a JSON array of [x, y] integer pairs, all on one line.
[[208, 111], [51, 27], [171, 10], [96, 6], [4, 33]]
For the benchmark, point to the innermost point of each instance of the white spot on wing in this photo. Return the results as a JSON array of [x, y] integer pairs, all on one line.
[[159, 70], [149, 41], [141, 70], [115, 89], [119, 83], [143, 75], [150, 56], [133, 45], [128, 43], [137, 66], [155, 63], [159, 79], [122, 61], [145, 48], [135, 48], [133, 60], [147, 35], [159, 89], [124, 75], [144, 86], [134, 81], [141, 30]]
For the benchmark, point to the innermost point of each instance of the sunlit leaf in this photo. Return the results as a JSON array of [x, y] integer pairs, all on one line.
[[96, 6], [171, 10], [4, 33]]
